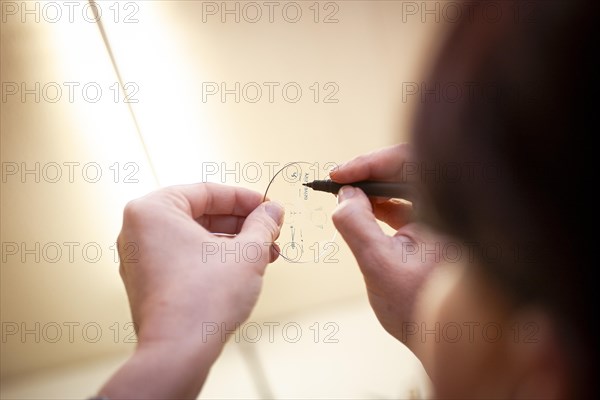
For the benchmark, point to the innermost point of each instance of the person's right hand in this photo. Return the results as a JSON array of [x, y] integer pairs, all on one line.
[[394, 267]]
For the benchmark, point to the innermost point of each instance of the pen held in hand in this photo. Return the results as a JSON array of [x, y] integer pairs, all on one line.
[[370, 188]]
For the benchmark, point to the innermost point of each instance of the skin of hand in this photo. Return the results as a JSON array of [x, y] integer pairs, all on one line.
[[187, 286], [394, 267], [441, 309]]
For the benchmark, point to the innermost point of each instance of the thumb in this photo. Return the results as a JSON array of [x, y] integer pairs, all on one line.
[[355, 221], [262, 227]]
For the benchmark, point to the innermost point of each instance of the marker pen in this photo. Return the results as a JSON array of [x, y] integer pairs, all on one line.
[[371, 188]]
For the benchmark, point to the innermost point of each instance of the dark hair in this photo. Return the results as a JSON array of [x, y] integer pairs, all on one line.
[[521, 124]]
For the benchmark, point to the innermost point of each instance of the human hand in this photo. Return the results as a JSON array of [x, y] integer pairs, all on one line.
[[182, 277], [394, 267]]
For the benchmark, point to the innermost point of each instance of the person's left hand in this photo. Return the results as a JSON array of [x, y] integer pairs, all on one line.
[[187, 286], [185, 275]]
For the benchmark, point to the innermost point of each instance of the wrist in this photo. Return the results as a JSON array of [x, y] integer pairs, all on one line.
[[164, 369]]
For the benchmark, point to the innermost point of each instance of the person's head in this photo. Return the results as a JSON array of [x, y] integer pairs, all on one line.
[[507, 141]]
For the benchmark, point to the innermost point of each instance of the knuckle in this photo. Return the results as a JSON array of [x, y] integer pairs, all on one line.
[[169, 195], [142, 207], [134, 209]]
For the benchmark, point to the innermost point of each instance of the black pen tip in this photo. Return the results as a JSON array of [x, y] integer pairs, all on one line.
[[309, 184]]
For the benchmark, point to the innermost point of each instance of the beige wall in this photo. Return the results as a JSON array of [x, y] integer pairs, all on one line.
[[167, 57]]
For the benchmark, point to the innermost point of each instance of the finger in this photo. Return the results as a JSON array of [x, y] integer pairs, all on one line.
[[385, 164], [262, 227], [394, 212], [229, 224], [355, 221], [212, 198], [275, 251]]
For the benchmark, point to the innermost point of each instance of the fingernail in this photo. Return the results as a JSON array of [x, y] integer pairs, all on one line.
[[334, 170], [345, 193], [275, 211]]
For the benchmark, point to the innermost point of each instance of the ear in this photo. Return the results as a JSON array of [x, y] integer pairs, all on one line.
[[536, 358]]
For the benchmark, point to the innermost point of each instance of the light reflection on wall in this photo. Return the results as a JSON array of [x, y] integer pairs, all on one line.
[[158, 83]]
